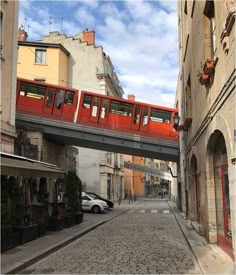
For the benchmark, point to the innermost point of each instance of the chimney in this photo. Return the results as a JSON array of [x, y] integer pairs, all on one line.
[[131, 97], [89, 37], [22, 35]]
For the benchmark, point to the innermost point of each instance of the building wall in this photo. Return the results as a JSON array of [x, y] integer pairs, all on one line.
[[212, 109], [138, 177], [9, 10], [54, 71]]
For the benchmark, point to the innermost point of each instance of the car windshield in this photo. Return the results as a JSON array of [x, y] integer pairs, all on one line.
[[93, 196]]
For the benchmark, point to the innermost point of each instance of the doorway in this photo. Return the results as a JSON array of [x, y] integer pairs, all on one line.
[[222, 198]]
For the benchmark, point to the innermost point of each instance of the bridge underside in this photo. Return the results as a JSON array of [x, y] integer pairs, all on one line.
[[100, 139]]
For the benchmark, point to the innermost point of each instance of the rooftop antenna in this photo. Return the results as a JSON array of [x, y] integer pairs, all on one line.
[[50, 23], [61, 23], [28, 29]]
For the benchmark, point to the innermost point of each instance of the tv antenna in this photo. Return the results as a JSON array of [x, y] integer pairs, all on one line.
[[50, 23], [61, 24]]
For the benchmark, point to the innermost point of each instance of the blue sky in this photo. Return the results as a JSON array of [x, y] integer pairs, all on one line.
[[139, 36]]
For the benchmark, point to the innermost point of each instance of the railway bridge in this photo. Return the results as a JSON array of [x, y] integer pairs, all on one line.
[[62, 132]]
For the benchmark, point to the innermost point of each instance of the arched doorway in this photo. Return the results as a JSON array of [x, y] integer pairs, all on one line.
[[196, 189], [222, 199]]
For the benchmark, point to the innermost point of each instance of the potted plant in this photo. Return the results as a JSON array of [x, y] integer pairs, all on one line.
[[204, 79], [55, 222], [11, 212], [209, 67], [43, 209], [73, 199]]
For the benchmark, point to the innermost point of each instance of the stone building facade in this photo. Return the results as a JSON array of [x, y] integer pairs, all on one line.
[[8, 51], [206, 101]]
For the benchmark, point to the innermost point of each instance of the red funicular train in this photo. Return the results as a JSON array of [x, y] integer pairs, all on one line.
[[61, 103]]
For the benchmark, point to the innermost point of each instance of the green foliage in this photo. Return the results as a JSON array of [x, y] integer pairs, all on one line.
[[73, 192], [42, 193], [11, 201]]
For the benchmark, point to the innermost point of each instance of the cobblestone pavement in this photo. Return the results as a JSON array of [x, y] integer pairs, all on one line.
[[144, 240]]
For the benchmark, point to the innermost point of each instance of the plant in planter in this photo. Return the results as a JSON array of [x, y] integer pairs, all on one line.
[[11, 212], [55, 222], [209, 67], [42, 197], [73, 197]]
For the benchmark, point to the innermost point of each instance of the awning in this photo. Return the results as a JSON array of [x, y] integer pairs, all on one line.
[[14, 165]]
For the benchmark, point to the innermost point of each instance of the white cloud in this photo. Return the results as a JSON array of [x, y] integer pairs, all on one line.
[[83, 15]]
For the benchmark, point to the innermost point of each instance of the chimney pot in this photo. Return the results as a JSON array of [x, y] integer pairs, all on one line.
[[22, 35], [131, 97], [89, 37]]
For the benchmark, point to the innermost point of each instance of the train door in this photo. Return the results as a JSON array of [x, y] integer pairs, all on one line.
[[49, 99], [137, 112], [144, 118], [103, 116], [58, 103], [94, 114]]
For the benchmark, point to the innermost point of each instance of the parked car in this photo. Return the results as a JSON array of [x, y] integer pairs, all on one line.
[[96, 196], [164, 190], [91, 204]]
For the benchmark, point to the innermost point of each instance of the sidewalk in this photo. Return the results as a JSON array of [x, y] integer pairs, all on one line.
[[210, 257], [20, 257]]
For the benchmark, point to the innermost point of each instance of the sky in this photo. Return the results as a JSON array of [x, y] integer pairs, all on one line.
[[139, 36]]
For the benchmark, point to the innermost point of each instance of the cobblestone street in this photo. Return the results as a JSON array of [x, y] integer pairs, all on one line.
[[145, 239]]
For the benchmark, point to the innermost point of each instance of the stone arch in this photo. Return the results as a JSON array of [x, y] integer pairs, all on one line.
[[221, 130]]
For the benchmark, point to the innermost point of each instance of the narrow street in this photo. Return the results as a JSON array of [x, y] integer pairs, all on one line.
[[145, 239]]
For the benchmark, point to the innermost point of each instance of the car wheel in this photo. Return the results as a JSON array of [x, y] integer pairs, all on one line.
[[96, 209]]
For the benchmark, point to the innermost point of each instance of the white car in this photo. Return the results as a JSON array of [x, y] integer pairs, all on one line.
[[94, 205]]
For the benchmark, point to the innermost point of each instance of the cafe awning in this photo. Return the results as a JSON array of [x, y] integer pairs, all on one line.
[[14, 165]]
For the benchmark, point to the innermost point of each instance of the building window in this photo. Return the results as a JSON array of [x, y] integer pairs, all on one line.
[[1, 35], [186, 7], [209, 29], [109, 157], [188, 99], [40, 56]]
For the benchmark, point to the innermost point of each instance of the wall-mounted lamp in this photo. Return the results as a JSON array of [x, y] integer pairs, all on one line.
[[183, 127], [233, 161], [176, 120]]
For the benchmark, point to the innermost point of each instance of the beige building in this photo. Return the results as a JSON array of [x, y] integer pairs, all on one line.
[[206, 101], [90, 69], [8, 34], [44, 62]]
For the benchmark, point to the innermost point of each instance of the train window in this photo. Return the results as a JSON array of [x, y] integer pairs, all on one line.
[[95, 106], [59, 99], [31, 90], [160, 116], [69, 98], [121, 108], [87, 101], [104, 108], [50, 97]]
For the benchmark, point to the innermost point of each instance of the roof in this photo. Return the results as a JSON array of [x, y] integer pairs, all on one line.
[[44, 45], [20, 166]]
